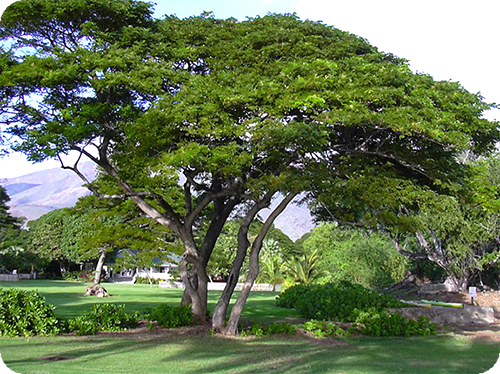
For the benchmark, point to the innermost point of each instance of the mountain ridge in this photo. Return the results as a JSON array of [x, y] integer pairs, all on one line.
[[35, 194]]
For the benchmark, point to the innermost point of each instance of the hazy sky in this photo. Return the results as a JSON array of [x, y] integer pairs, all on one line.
[[448, 39]]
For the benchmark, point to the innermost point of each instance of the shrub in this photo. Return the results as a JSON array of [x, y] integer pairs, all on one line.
[[323, 328], [348, 254], [335, 301], [259, 330], [393, 324], [291, 295], [24, 313], [103, 317], [140, 280], [170, 316], [78, 276]]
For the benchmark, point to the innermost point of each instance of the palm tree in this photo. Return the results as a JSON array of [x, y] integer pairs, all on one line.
[[305, 269], [272, 270]]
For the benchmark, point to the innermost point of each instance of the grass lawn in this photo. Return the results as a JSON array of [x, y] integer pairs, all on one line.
[[187, 353], [70, 302]]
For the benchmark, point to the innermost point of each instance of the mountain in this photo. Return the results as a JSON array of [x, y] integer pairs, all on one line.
[[295, 221], [35, 194]]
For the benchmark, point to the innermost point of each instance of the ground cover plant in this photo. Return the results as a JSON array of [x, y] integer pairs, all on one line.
[[170, 316], [259, 329], [393, 324], [347, 302]]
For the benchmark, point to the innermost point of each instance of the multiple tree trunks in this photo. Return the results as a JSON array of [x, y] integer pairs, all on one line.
[[96, 290]]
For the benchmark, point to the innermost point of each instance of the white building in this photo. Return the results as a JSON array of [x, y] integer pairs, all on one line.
[[161, 268]]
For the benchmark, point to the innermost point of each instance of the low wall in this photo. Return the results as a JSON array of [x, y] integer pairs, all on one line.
[[9, 277], [444, 315], [170, 284], [219, 286], [432, 288]]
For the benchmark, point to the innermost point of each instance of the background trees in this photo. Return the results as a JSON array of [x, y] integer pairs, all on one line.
[[355, 255], [276, 244], [456, 232], [197, 118], [14, 253]]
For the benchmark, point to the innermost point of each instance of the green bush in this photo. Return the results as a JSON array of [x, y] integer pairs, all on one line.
[[354, 255], [24, 313], [140, 280], [290, 297], [260, 330], [393, 324], [323, 328], [78, 276], [341, 301], [170, 316], [103, 317]]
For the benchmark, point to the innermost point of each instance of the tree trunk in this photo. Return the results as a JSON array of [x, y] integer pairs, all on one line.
[[195, 283], [253, 265], [196, 277], [220, 311], [435, 253], [98, 268], [459, 283], [95, 289]]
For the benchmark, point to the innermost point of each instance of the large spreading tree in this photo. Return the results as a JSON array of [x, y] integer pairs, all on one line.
[[194, 119]]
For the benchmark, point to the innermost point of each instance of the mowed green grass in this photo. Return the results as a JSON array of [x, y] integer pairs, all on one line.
[[69, 299], [160, 353], [215, 354]]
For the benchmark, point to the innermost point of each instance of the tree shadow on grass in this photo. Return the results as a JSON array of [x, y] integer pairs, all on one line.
[[365, 356], [178, 352]]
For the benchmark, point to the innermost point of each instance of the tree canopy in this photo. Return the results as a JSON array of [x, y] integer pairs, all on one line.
[[200, 117]]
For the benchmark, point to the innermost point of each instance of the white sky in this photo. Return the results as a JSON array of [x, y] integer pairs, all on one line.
[[448, 39]]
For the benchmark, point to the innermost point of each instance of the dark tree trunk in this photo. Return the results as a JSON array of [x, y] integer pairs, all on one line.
[[196, 291], [195, 282]]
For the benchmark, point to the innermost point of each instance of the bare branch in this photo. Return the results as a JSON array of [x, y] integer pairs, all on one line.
[[189, 176], [188, 197], [209, 197]]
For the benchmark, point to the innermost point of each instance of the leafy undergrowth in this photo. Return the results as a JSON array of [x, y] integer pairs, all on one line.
[[346, 302]]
